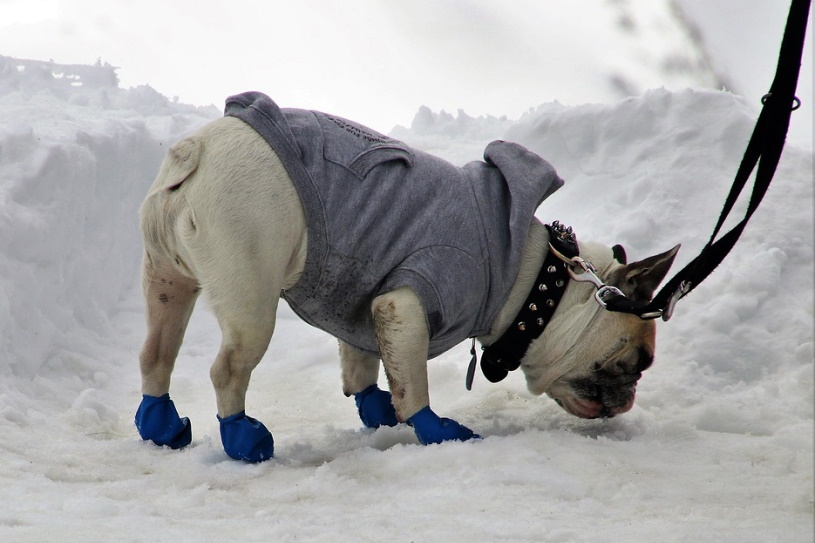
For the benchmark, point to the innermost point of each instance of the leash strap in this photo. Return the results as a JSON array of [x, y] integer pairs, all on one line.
[[764, 149]]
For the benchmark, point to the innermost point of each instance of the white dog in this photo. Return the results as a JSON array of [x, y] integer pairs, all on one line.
[[265, 203]]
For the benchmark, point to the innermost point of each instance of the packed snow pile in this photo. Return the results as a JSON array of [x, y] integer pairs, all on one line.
[[75, 152], [718, 447]]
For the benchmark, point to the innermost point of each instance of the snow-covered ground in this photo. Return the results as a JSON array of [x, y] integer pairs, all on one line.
[[718, 448]]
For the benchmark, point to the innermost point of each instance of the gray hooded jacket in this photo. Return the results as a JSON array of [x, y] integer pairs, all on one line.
[[382, 215]]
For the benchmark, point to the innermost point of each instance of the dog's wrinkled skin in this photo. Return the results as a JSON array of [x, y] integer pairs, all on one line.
[[223, 217]]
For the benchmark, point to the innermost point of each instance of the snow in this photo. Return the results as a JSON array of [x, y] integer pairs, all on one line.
[[719, 446]]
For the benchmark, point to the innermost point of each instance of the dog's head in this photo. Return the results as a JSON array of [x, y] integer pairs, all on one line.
[[589, 360]]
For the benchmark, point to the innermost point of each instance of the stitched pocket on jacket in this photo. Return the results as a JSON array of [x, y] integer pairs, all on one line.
[[358, 148]]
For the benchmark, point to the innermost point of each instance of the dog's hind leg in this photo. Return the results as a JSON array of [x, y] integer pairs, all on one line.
[[403, 338], [247, 242], [359, 376], [243, 279], [169, 297], [246, 335], [244, 266]]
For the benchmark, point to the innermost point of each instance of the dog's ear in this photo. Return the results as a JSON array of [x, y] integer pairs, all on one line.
[[619, 254], [639, 280]]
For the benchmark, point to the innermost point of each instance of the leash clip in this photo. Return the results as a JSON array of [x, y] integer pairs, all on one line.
[[606, 292], [589, 275], [682, 289]]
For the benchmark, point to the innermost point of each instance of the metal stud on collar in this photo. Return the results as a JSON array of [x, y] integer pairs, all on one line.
[[563, 232]]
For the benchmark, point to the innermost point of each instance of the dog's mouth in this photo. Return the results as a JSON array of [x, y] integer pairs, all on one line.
[[599, 396], [593, 409]]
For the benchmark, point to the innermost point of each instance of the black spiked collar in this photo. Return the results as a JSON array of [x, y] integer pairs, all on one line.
[[505, 354]]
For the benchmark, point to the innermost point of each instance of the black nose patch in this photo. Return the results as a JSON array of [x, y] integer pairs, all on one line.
[[644, 360]]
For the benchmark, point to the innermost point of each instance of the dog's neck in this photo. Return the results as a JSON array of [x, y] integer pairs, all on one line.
[[535, 251], [520, 330]]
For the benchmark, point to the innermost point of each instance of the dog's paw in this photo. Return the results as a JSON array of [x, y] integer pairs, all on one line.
[[157, 420], [246, 438], [430, 428], [375, 407]]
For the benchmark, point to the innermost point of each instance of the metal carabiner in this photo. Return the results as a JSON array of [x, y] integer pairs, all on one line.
[[588, 275], [684, 288], [607, 291]]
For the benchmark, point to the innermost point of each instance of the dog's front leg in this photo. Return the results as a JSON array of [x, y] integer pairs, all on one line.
[[360, 373], [403, 339]]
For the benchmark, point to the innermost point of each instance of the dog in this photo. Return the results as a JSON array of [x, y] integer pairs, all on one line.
[[397, 253]]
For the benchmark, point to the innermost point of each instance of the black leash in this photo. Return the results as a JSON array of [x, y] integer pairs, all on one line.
[[764, 149]]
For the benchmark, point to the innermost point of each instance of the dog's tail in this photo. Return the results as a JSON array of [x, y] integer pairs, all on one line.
[[165, 214]]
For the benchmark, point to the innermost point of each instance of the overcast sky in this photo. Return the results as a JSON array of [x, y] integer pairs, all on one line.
[[377, 61]]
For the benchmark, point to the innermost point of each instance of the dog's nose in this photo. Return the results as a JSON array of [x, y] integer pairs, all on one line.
[[644, 360], [636, 364]]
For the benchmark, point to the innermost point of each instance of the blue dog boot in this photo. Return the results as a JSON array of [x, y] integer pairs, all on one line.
[[375, 407], [430, 428], [245, 438], [157, 420]]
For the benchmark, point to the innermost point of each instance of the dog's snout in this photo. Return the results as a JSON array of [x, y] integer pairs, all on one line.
[[609, 389], [636, 364], [609, 379]]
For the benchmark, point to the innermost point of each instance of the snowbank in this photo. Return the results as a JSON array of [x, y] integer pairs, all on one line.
[[718, 447], [77, 154]]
